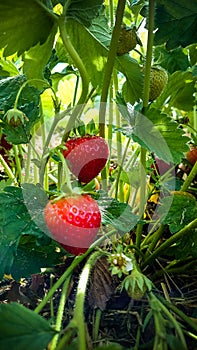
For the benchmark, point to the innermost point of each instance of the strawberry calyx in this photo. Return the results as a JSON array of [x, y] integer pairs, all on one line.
[[15, 117]]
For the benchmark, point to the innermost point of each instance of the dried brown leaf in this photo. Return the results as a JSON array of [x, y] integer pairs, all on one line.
[[102, 284]]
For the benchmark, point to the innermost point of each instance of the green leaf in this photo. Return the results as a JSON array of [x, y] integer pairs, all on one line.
[[193, 54], [176, 22], [100, 29], [133, 87], [21, 329], [180, 212], [23, 25], [31, 257], [37, 58], [84, 10], [179, 91], [28, 104], [186, 246], [94, 58], [117, 214], [19, 216], [7, 68], [173, 60], [160, 134]]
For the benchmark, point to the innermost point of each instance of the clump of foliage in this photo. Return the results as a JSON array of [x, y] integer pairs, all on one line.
[[129, 224]]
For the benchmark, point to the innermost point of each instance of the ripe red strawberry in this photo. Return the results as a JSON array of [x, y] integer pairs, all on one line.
[[5, 147], [73, 221], [86, 156], [162, 167], [191, 155]]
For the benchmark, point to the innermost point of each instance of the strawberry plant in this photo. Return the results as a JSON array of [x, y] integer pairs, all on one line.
[[98, 174]]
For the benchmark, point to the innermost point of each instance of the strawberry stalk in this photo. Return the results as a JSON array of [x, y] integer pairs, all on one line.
[[8, 170], [159, 310], [145, 105], [78, 317], [185, 230], [108, 73], [82, 71], [190, 178], [18, 163], [60, 313], [78, 259], [110, 64]]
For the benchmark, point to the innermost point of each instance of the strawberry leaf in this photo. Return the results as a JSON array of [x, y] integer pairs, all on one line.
[[173, 60], [176, 23], [21, 328], [31, 257], [84, 10], [7, 68], [23, 25], [18, 217], [28, 104], [95, 57], [133, 86], [183, 210], [159, 134], [36, 59], [117, 214]]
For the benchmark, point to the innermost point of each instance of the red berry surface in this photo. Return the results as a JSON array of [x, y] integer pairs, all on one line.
[[5, 147], [191, 155], [86, 156], [73, 221]]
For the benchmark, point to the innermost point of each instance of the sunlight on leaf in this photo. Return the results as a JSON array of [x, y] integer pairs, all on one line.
[[22, 26]]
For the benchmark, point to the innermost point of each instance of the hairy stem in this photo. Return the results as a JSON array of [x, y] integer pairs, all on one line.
[[78, 316], [60, 313]]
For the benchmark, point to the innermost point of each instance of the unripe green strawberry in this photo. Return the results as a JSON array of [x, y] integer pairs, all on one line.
[[15, 117], [136, 284], [127, 41], [158, 80]]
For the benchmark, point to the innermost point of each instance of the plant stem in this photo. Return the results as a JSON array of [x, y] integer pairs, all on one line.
[[149, 51], [156, 237], [120, 168], [190, 178], [8, 170], [18, 163], [78, 316], [178, 312], [60, 312], [142, 195], [61, 280], [28, 164], [110, 64], [82, 71], [96, 324], [44, 158], [44, 82], [157, 305], [185, 230], [145, 105]]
